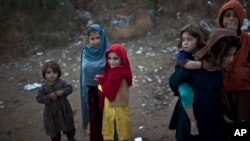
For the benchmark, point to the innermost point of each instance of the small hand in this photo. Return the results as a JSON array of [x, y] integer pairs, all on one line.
[[97, 77], [59, 93], [233, 26], [53, 96]]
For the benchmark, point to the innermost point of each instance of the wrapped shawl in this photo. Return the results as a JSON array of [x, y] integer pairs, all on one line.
[[92, 63], [112, 79]]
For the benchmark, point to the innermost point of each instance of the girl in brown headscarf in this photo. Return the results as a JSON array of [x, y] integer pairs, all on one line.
[[206, 84]]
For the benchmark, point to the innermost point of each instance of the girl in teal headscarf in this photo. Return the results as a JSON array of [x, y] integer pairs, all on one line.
[[92, 63]]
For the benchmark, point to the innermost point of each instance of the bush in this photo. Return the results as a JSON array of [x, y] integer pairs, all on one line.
[[26, 23]]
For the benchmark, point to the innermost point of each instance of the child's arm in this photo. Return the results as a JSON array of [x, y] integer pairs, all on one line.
[[42, 97], [191, 64], [67, 89]]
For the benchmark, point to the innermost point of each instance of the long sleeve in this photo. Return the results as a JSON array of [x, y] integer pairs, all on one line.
[[67, 88], [42, 97]]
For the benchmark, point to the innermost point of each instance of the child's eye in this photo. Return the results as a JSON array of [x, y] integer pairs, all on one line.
[[227, 15], [49, 72], [190, 39], [97, 38]]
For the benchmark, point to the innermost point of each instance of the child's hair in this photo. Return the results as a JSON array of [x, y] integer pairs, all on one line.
[[54, 66], [91, 30], [220, 49], [197, 32]]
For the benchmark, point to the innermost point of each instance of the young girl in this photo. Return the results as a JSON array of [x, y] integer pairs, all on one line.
[[206, 83], [237, 80], [58, 115], [114, 85], [92, 63], [192, 39]]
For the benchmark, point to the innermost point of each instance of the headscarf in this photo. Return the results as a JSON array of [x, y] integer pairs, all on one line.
[[93, 58], [113, 77], [92, 63], [238, 76], [236, 6], [214, 37]]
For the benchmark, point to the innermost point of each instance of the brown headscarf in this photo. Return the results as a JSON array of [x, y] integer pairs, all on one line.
[[214, 37]]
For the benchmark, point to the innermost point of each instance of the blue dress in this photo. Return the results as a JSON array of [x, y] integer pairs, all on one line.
[[208, 107]]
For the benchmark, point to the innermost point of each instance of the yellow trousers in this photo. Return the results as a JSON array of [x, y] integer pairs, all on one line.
[[119, 116]]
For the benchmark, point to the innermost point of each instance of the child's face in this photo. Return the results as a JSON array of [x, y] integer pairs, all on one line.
[[114, 60], [229, 57], [230, 20], [50, 75], [94, 39], [189, 43]]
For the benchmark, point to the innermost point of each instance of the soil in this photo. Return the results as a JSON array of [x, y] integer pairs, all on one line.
[[151, 101], [152, 58]]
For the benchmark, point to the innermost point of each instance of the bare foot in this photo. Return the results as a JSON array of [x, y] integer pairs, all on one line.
[[194, 129]]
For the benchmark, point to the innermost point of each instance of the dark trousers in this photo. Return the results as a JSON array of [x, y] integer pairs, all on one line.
[[95, 115], [238, 109], [70, 135]]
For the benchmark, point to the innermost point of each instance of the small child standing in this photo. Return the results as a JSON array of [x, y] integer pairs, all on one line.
[[192, 39], [92, 63], [114, 85], [58, 115]]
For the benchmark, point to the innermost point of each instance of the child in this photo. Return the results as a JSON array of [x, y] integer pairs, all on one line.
[[58, 115], [92, 63], [114, 85], [236, 85], [192, 39], [206, 84]]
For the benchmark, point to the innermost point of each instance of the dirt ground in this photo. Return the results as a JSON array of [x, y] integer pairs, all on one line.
[[152, 58], [150, 101]]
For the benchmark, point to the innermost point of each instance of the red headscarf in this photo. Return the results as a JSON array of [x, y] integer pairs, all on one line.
[[238, 76], [236, 6], [112, 79]]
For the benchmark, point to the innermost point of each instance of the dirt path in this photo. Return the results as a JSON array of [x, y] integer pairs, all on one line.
[[151, 102]]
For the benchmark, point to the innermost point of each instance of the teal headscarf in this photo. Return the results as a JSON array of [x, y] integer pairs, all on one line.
[[92, 63]]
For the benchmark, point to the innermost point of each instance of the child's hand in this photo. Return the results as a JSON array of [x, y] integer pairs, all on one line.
[[53, 96], [59, 93], [233, 26], [99, 77]]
